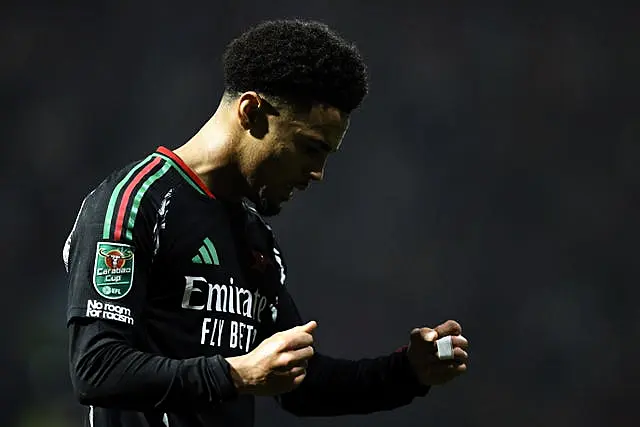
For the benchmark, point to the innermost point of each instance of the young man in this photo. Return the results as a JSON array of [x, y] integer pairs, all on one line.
[[178, 313]]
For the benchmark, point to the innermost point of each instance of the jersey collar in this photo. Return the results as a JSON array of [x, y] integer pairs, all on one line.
[[186, 169]]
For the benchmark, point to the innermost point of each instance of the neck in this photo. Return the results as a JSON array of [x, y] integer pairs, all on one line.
[[212, 155]]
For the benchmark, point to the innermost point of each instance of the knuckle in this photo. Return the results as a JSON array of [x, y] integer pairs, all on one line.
[[282, 342], [460, 353], [277, 337], [306, 338], [452, 324], [460, 342], [285, 359], [455, 326], [277, 347], [307, 353]]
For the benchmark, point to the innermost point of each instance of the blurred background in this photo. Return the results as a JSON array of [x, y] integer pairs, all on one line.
[[490, 177]]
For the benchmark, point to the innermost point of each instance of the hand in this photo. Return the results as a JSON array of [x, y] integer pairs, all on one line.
[[422, 353], [277, 365]]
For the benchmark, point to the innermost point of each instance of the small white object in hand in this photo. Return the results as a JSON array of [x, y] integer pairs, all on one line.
[[445, 348]]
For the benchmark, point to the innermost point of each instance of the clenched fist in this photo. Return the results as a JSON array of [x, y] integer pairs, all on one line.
[[422, 353], [277, 365]]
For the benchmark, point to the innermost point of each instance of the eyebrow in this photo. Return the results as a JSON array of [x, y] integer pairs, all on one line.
[[326, 147]]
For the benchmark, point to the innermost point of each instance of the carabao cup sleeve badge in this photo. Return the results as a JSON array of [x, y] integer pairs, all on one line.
[[113, 269]]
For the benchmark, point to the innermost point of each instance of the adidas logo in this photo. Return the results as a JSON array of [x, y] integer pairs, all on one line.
[[206, 254]]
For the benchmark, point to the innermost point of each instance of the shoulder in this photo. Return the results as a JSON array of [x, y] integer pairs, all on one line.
[[128, 193]]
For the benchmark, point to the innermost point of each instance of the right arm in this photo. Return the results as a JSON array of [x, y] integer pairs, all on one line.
[[107, 370]]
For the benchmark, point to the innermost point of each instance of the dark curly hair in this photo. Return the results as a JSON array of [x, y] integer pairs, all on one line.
[[299, 61]]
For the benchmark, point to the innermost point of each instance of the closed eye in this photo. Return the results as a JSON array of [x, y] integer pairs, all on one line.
[[317, 145], [312, 149]]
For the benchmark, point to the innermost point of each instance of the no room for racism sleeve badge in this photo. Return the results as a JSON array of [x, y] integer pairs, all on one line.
[[113, 269]]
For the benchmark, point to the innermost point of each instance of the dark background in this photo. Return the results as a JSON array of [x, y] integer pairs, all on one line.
[[490, 177]]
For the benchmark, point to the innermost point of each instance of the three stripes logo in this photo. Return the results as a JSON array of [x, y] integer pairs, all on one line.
[[207, 254]]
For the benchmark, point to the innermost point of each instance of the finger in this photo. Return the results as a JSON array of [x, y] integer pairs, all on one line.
[[445, 368], [450, 327], [291, 372], [461, 369], [299, 378], [420, 335], [295, 339], [308, 327], [460, 356], [297, 357], [449, 370], [460, 341]]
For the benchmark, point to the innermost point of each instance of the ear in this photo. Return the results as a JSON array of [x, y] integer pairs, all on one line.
[[248, 109], [252, 113]]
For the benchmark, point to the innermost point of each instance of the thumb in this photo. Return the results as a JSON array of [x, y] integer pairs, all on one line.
[[423, 334], [309, 327]]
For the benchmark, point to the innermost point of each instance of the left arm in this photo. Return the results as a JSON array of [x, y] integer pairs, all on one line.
[[340, 387]]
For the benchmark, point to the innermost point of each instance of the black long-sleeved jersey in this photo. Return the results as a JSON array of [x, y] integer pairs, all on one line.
[[165, 282]]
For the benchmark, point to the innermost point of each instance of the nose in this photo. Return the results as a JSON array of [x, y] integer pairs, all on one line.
[[317, 176]]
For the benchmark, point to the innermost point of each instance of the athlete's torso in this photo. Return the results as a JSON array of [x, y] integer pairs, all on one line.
[[211, 271], [215, 279]]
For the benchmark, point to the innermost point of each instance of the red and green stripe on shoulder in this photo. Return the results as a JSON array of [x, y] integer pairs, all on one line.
[[127, 195]]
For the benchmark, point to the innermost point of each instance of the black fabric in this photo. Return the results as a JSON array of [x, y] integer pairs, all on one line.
[[208, 283]]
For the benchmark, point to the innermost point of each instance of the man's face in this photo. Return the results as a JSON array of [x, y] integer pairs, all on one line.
[[293, 152]]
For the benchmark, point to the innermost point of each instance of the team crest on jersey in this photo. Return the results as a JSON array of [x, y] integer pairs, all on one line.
[[113, 269]]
